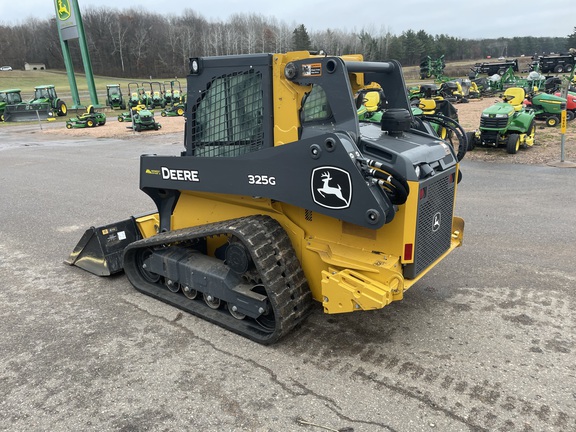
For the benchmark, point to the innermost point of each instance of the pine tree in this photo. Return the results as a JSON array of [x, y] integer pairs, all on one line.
[[300, 39]]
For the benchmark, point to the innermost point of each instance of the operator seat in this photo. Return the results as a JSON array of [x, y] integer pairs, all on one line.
[[89, 111], [428, 106], [372, 101], [515, 96]]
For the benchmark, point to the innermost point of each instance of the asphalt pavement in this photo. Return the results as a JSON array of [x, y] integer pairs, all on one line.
[[485, 342]]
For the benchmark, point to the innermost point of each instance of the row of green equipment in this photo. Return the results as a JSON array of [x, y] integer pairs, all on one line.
[[453, 89], [152, 94]]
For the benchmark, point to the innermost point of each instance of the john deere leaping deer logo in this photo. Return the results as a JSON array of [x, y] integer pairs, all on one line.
[[63, 9], [436, 220], [331, 187]]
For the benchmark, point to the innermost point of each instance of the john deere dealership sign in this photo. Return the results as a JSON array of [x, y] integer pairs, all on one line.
[[66, 18]]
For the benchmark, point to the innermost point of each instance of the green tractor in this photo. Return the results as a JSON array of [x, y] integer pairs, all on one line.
[[47, 94], [547, 107], [45, 105], [114, 97], [505, 123], [9, 97], [89, 119]]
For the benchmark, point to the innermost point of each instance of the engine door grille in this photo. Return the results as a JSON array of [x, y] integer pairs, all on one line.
[[434, 222]]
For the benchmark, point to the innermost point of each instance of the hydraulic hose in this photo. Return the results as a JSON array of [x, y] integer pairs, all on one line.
[[453, 126], [390, 180]]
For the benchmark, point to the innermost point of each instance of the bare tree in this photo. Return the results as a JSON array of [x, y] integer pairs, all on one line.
[[118, 32], [136, 43]]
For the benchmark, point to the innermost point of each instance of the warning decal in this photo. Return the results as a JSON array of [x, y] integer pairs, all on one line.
[[313, 69]]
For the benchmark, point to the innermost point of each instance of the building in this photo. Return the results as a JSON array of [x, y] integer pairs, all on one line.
[[34, 66]]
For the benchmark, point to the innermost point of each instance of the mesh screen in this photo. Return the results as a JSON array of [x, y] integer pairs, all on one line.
[[227, 121], [430, 245], [432, 241]]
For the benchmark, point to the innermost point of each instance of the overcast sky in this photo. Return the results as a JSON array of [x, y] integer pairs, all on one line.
[[459, 18]]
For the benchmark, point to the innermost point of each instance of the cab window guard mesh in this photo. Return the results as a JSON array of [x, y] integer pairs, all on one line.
[[227, 121]]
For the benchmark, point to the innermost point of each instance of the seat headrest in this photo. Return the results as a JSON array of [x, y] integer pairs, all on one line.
[[517, 93]]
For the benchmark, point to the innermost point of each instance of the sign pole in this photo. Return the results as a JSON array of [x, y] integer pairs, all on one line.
[[85, 56], [563, 162]]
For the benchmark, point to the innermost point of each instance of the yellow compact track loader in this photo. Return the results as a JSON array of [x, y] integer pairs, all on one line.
[[283, 196]]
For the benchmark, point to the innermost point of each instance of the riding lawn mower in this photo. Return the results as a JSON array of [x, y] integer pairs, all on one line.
[[89, 119], [546, 107], [505, 123]]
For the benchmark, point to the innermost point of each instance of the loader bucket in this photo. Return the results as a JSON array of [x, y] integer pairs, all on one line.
[[27, 112], [100, 249]]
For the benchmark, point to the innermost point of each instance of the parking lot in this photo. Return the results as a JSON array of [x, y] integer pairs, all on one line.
[[485, 342]]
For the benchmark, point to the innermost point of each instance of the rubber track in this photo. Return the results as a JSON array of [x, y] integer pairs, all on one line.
[[275, 260]]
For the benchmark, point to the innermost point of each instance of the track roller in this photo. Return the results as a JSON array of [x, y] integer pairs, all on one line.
[[259, 280]]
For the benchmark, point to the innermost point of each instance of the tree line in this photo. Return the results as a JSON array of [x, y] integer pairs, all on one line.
[[137, 43]]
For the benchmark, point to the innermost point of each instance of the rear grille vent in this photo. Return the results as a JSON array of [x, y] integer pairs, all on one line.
[[434, 224]]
